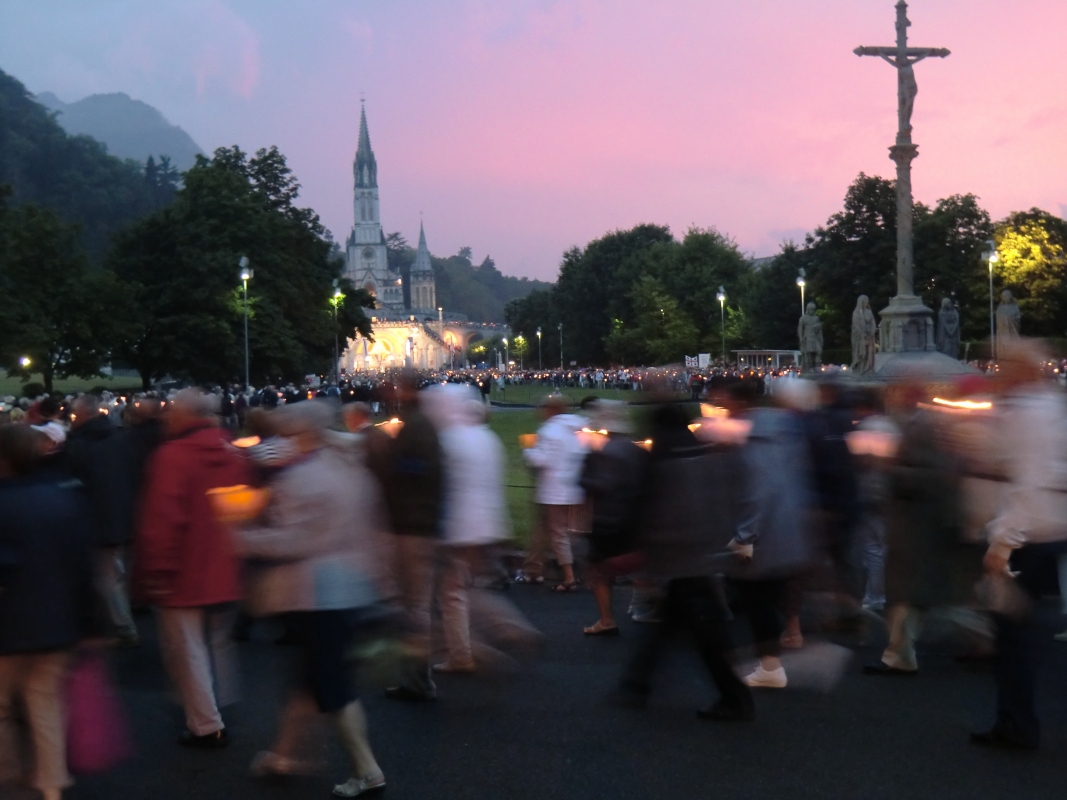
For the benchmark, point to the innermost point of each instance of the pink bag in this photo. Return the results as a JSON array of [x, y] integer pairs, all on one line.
[[98, 736]]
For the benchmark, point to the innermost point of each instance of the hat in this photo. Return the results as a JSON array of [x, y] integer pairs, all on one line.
[[612, 416]]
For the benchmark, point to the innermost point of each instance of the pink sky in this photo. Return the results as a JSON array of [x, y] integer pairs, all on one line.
[[523, 128]]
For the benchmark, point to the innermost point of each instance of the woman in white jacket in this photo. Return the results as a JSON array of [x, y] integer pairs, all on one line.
[[475, 519]]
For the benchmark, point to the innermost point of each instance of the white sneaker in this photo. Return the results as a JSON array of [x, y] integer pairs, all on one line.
[[354, 787], [766, 679]]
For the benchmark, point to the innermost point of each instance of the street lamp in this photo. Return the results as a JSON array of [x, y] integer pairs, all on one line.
[[507, 356], [721, 297], [559, 327], [246, 276], [990, 257], [520, 342], [801, 283], [335, 301], [25, 361], [539, 365]]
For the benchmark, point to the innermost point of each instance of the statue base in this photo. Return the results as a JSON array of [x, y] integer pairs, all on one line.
[[907, 326], [907, 346]]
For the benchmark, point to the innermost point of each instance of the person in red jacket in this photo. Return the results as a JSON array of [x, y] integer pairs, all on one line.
[[188, 567]]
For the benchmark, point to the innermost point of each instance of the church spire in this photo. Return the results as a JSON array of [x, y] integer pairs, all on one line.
[[422, 255], [365, 168]]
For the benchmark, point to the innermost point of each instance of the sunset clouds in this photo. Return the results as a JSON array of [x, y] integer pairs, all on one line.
[[521, 128]]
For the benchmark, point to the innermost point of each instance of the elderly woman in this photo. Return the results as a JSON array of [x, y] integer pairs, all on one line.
[[315, 558]]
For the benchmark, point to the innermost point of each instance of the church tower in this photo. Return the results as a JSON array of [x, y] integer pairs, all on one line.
[[367, 258], [423, 287]]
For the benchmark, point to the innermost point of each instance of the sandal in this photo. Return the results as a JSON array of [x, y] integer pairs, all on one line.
[[599, 629], [566, 587]]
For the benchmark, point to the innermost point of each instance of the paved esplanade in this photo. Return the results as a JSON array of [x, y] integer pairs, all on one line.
[[546, 732]]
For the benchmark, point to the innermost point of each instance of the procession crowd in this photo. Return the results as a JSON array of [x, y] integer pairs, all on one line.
[[375, 511]]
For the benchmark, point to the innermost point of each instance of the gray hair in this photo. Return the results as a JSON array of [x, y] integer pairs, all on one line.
[[307, 416], [195, 402]]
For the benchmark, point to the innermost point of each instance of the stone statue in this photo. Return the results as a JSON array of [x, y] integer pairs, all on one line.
[[864, 329], [1009, 318], [809, 331], [907, 88], [948, 329]]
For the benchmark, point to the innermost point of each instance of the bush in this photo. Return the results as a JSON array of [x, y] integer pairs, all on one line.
[[33, 390]]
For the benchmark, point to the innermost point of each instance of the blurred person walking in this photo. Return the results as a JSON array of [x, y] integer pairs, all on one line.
[[104, 458], [475, 521], [614, 478], [557, 460], [46, 601], [1027, 536], [923, 526], [413, 491], [186, 561], [682, 544], [773, 540], [315, 560]]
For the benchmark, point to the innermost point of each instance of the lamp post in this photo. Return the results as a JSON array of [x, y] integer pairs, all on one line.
[[990, 256], [801, 283], [520, 342], [721, 297], [246, 276], [338, 296], [539, 365], [507, 357], [559, 327]]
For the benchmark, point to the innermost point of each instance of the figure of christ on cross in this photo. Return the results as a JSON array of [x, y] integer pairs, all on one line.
[[903, 59]]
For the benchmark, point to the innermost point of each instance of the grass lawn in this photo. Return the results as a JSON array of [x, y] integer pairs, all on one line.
[[13, 386], [518, 479], [532, 394]]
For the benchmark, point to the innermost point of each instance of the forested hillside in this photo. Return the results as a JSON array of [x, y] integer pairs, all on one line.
[[72, 175]]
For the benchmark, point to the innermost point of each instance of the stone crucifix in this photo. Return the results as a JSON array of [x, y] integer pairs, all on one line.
[[903, 59]]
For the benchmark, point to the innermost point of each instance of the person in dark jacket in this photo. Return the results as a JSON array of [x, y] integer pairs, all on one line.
[[45, 605], [688, 520], [103, 458], [613, 477], [413, 490]]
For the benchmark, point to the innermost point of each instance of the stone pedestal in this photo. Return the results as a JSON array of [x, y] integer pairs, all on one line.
[[908, 348], [907, 326]]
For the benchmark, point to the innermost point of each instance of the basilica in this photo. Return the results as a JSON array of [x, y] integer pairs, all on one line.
[[367, 262], [409, 326]]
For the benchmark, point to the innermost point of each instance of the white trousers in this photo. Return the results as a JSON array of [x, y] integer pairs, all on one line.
[[199, 656]]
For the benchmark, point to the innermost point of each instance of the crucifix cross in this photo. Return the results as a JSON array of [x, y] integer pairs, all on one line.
[[903, 58]]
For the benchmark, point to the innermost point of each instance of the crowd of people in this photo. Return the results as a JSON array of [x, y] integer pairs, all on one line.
[[791, 505]]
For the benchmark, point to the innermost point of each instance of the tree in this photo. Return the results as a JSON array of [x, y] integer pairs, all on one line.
[[949, 241], [661, 331], [180, 265], [771, 299], [58, 312], [854, 254], [588, 285], [72, 175], [1032, 246]]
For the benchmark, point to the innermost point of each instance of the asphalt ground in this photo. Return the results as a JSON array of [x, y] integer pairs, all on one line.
[[546, 731]]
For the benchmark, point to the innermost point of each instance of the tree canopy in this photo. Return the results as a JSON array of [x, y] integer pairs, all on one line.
[[181, 267]]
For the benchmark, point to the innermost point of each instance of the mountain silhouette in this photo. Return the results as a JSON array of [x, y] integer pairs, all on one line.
[[129, 128]]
